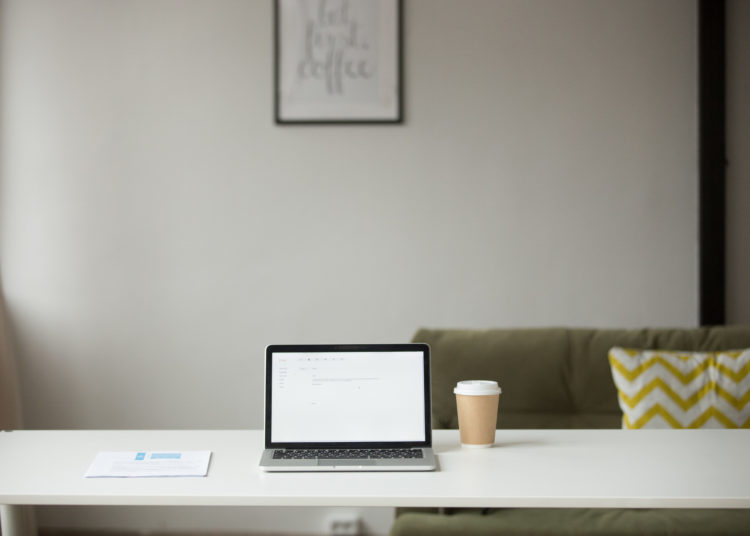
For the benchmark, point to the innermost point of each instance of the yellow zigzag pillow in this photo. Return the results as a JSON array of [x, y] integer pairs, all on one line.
[[662, 389]]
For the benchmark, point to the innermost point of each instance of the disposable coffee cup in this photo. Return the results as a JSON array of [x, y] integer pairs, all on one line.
[[477, 401]]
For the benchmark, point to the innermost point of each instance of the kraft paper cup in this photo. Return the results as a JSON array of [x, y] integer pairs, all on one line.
[[476, 402]]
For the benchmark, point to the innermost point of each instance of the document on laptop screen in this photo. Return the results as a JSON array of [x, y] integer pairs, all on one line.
[[347, 397]]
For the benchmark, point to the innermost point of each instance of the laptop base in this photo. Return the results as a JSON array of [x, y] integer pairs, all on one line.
[[426, 463]]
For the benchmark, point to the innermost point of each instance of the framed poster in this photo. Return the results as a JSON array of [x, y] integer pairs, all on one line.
[[337, 61]]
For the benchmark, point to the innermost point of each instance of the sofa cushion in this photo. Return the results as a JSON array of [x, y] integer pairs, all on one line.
[[663, 389], [551, 377], [574, 521]]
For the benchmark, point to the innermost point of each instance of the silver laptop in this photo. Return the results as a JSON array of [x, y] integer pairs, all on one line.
[[348, 408]]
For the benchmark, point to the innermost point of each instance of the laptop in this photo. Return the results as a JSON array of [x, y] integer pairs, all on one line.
[[362, 407]]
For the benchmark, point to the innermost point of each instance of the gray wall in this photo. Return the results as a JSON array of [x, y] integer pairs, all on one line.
[[738, 155], [157, 229]]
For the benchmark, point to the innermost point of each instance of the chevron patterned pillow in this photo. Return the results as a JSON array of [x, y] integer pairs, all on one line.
[[662, 389]]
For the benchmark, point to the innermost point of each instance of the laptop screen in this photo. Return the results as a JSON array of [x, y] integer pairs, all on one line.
[[346, 395]]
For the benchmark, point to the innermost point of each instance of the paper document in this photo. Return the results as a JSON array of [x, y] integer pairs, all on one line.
[[145, 463]]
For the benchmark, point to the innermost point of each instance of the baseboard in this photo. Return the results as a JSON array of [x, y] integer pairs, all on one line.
[[112, 532]]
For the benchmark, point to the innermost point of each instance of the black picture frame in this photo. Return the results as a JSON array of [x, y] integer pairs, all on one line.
[[712, 162], [324, 48]]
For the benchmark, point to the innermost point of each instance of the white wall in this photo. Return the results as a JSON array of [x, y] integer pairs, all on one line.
[[738, 155], [157, 229]]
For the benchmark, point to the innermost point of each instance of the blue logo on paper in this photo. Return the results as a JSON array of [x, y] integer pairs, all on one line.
[[166, 456], [140, 456]]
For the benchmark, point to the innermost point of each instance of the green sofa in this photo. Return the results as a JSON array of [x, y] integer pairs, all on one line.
[[557, 378]]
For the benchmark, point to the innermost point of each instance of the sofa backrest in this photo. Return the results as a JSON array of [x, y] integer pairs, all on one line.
[[551, 377]]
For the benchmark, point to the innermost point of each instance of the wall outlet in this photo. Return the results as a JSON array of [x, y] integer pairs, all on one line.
[[345, 525]]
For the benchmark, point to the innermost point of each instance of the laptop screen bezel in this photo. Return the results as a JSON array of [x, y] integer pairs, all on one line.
[[312, 348]]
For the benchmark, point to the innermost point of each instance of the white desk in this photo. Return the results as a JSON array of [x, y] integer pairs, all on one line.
[[526, 468]]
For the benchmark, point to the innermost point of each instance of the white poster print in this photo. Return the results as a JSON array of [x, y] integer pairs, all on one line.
[[337, 60]]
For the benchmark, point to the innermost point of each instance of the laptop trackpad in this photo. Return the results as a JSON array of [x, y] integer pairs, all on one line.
[[339, 462]]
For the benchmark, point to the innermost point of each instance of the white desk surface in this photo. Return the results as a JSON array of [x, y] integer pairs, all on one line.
[[526, 468]]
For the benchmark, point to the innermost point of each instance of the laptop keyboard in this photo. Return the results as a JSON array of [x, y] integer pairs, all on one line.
[[340, 454]]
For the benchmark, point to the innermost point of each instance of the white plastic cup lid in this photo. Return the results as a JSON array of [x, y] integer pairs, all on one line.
[[477, 388]]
